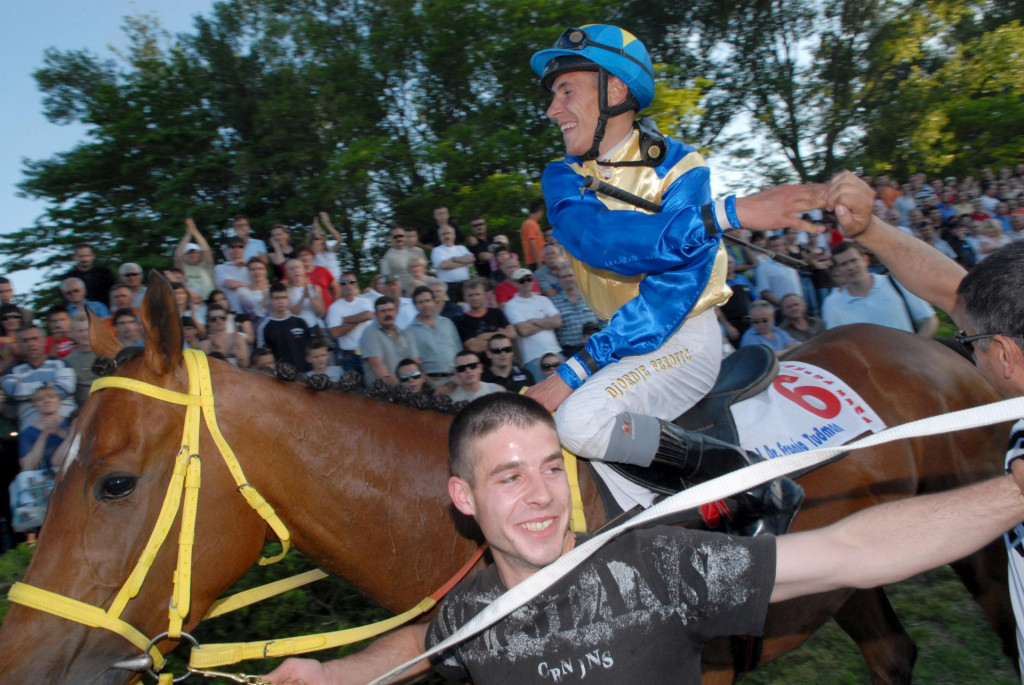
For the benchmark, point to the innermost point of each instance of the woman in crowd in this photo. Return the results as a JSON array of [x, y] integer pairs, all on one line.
[[10, 352], [307, 300], [235, 321], [255, 297], [990, 238], [417, 275], [231, 346], [317, 275]]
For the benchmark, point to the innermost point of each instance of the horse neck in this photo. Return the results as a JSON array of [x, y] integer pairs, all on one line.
[[360, 484]]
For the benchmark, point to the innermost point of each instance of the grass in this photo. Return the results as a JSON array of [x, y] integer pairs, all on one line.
[[954, 641]]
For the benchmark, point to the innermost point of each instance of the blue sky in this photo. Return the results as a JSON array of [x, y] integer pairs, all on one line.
[[27, 28]]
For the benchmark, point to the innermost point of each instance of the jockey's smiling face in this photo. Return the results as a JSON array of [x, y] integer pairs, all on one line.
[[574, 107]]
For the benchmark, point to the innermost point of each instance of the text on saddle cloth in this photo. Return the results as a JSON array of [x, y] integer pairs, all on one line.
[[805, 408]]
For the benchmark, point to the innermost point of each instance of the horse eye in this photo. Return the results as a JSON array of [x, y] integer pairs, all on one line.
[[116, 486]]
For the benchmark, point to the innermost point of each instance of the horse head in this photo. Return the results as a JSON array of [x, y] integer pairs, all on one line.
[[114, 479]]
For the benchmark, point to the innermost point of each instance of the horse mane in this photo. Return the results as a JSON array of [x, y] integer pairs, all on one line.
[[351, 383]]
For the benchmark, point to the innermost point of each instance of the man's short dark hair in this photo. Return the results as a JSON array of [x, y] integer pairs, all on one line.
[[126, 311], [483, 416], [498, 336], [476, 282], [420, 289], [4, 280], [80, 246], [278, 288], [317, 344], [536, 204], [991, 294], [57, 309], [847, 245], [383, 300], [407, 362]]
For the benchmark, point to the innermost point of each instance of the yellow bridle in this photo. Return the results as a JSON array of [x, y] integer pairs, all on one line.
[[184, 486]]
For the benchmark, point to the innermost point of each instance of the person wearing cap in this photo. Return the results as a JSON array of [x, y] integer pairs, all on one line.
[[234, 273], [536, 319], [194, 258], [655, 276], [130, 274]]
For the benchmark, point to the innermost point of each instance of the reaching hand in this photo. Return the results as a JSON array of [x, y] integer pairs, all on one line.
[[853, 201], [781, 207]]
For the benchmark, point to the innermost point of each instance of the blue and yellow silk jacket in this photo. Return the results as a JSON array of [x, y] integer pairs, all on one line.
[[645, 272]]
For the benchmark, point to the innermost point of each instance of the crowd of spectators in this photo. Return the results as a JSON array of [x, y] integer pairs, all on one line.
[[840, 283], [460, 313]]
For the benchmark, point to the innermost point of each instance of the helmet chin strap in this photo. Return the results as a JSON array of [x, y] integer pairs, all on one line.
[[606, 111]]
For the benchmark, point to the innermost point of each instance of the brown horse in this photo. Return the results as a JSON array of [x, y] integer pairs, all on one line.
[[361, 485]]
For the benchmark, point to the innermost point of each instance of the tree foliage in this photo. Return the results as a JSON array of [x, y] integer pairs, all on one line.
[[378, 111]]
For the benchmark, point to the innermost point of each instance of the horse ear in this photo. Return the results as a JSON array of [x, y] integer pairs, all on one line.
[[101, 340], [164, 337]]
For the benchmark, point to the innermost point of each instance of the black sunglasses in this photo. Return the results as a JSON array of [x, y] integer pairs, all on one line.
[[462, 367], [967, 341], [550, 365], [525, 279], [500, 350], [349, 281]]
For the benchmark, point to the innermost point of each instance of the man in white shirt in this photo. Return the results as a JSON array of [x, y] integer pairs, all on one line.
[[253, 247], [870, 298], [535, 318], [452, 262], [346, 319], [773, 280], [234, 273], [468, 370]]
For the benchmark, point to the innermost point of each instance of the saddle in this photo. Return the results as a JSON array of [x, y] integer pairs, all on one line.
[[745, 373]]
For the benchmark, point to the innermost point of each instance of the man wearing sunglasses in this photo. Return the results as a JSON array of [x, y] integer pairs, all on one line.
[[535, 319], [468, 369], [655, 276], [985, 302], [502, 369]]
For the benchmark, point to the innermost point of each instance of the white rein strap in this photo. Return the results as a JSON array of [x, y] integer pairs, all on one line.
[[719, 488]]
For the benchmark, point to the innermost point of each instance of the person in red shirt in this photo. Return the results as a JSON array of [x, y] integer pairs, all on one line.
[[318, 275], [59, 343]]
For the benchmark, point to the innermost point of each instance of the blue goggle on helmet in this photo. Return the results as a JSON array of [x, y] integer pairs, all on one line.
[[599, 46]]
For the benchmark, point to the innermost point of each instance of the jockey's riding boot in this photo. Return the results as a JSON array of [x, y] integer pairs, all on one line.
[[768, 508]]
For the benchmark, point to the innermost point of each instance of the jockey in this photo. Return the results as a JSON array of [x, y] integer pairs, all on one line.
[[656, 277]]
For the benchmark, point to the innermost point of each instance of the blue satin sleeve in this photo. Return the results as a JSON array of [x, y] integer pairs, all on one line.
[[672, 248], [627, 242]]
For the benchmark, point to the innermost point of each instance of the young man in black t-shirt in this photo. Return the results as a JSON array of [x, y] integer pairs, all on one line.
[[502, 368], [639, 609], [480, 323], [283, 332]]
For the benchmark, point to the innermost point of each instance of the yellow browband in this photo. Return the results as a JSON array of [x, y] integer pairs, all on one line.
[[184, 485]]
